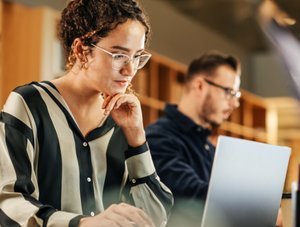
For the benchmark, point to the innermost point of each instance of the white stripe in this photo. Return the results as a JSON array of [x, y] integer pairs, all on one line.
[[99, 162], [31, 155], [141, 194], [60, 219], [16, 106], [55, 93], [140, 165], [58, 96]]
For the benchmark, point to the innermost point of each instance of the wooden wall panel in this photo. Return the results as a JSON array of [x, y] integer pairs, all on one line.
[[1, 51], [21, 46]]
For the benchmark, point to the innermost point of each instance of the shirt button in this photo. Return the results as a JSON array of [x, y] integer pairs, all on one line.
[[206, 147], [199, 129], [85, 144], [92, 213], [133, 180], [88, 179], [164, 223]]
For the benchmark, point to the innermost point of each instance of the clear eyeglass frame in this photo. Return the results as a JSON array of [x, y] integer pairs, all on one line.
[[229, 92], [121, 60]]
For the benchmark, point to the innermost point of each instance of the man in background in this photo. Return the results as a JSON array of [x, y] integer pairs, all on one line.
[[179, 141]]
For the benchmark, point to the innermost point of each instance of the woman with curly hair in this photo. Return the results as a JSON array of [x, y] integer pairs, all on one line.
[[73, 150]]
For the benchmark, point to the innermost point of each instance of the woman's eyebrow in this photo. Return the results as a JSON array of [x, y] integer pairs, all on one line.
[[125, 49]]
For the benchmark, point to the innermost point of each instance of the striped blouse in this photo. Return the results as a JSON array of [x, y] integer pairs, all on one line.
[[51, 175]]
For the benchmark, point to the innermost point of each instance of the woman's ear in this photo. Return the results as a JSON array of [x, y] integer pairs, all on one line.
[[78, 48], [81, 52]]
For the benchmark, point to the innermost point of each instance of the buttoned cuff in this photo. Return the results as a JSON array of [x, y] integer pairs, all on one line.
[[62, 218], [139, 162]]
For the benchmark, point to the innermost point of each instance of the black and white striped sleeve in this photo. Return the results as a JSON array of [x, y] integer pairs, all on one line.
[[147, 191], [19, 192]]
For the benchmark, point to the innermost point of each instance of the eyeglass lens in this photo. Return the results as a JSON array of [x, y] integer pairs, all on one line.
[[120, 61]]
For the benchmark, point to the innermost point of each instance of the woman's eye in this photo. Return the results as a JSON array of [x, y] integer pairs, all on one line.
[[137, 56], [119, 56]]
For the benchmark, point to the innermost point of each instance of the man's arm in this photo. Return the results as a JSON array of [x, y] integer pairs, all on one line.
[[173, 168]]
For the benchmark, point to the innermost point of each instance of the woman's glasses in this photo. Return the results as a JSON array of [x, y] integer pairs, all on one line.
[[121, 60]]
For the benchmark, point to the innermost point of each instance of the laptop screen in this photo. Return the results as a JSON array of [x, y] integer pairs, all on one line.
[[246, 184]]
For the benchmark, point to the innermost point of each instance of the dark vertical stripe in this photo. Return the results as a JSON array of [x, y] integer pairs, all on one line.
[[75, 221], [5, 221], [19, 125], [16, 135], [99, 132], [115, 167], [88, 201], [16, 144], [44, 213], [50, 170]]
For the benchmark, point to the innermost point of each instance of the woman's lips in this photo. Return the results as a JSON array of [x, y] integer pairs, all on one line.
[[122, 83]]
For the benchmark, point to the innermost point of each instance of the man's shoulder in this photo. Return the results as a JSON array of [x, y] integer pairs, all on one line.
[[162, 125], [165, 132]]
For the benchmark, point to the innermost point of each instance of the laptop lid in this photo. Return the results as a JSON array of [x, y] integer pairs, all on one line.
[[246, 184]]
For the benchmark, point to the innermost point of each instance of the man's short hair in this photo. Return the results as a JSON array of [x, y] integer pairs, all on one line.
[[209, 62]]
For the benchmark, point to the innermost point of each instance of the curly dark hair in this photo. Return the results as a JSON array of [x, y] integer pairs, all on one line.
[[208, 62], [91, 20]]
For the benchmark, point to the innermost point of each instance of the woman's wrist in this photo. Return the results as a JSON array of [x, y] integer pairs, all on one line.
[[135, 138]]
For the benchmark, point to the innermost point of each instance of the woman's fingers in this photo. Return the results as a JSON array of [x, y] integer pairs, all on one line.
[[136, 216], [118, 100], [119, 215]]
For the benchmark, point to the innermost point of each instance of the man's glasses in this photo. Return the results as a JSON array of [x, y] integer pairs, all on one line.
[[120, 60], [230, 93]]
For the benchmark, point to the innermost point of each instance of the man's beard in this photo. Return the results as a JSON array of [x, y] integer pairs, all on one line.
[[214, 125], [208, 112]]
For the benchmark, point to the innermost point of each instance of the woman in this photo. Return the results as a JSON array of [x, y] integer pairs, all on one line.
[[73, 148]]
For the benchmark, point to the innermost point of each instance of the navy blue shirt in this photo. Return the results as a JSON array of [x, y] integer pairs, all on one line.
[[182, 154]]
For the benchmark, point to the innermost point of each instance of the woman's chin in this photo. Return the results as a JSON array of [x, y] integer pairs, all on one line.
[[113, 93]]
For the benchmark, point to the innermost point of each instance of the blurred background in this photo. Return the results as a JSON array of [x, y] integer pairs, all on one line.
[[181, 30]]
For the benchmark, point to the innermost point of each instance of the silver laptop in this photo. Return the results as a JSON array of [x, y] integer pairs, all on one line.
[[246, 184]]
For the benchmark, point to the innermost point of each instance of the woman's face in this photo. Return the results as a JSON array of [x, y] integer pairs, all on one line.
[[128, 39]]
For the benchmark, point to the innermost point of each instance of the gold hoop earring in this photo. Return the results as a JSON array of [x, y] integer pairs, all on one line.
[[130, 90], [83, 62]]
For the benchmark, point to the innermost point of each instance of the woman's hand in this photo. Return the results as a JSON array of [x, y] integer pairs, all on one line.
[[126, 111], [118, 215]]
